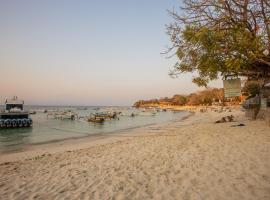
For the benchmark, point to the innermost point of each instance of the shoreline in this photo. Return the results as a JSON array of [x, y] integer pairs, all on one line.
[[62, 145], [190, 159]]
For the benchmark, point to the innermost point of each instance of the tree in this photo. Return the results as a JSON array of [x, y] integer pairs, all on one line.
[[221, 37], [252, 88], [194, 99], [179, 100], [219, 94], [207, 97]]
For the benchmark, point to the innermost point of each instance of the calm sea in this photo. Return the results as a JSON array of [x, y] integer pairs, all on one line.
[[46, 130]]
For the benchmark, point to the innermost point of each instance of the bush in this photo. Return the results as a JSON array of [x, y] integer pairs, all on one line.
[[252, 88]]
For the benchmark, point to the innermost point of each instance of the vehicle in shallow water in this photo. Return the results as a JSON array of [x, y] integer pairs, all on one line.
[[14, 115]]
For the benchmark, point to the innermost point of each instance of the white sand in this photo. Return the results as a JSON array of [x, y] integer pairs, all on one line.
[[193, 159]]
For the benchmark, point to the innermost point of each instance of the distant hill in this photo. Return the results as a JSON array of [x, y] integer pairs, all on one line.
[[205, 97]]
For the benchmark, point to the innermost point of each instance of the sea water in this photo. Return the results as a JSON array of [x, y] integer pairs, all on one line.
[[46, 129]]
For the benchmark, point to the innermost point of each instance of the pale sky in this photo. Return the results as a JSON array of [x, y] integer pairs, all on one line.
[[87, 52]]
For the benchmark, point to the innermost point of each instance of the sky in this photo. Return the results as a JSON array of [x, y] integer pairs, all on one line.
[[87, 52]]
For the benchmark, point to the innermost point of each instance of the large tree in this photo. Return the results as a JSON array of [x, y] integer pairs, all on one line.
[[221, 37]]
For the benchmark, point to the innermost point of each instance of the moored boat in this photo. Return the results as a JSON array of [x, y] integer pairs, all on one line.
[[14, 115], [96, 118], [63, 115]]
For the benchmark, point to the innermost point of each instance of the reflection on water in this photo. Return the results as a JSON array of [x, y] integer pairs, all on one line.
[[48, 130], [14, 139]]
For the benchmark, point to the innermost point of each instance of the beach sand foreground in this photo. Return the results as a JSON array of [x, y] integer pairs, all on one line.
[[190, 159]]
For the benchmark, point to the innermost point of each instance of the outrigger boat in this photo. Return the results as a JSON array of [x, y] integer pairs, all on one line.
[[63, 115], [101, 117], [96, 119], [107, 115], [14, 115]]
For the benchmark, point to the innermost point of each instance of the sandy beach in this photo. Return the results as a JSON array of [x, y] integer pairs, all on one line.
[[190, 159]]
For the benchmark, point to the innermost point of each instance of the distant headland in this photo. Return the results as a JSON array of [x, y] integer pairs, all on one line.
[[210, 96]]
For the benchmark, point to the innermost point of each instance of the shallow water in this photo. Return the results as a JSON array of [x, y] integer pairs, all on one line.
[[47, 130]]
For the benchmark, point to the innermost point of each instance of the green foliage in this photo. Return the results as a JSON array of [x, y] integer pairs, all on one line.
[[179, 100], [216, 38], [205, 97], [252, 88]]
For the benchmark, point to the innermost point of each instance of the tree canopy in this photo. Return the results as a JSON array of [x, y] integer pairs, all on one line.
[[205, 97], [221, 37]]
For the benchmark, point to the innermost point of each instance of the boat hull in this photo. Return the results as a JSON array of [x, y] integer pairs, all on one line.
[[15, 120]]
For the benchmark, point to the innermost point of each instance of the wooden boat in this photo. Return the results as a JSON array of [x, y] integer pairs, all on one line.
[[32, 112], [101, 117], [63, 115], [106, 115], [96, 119]]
